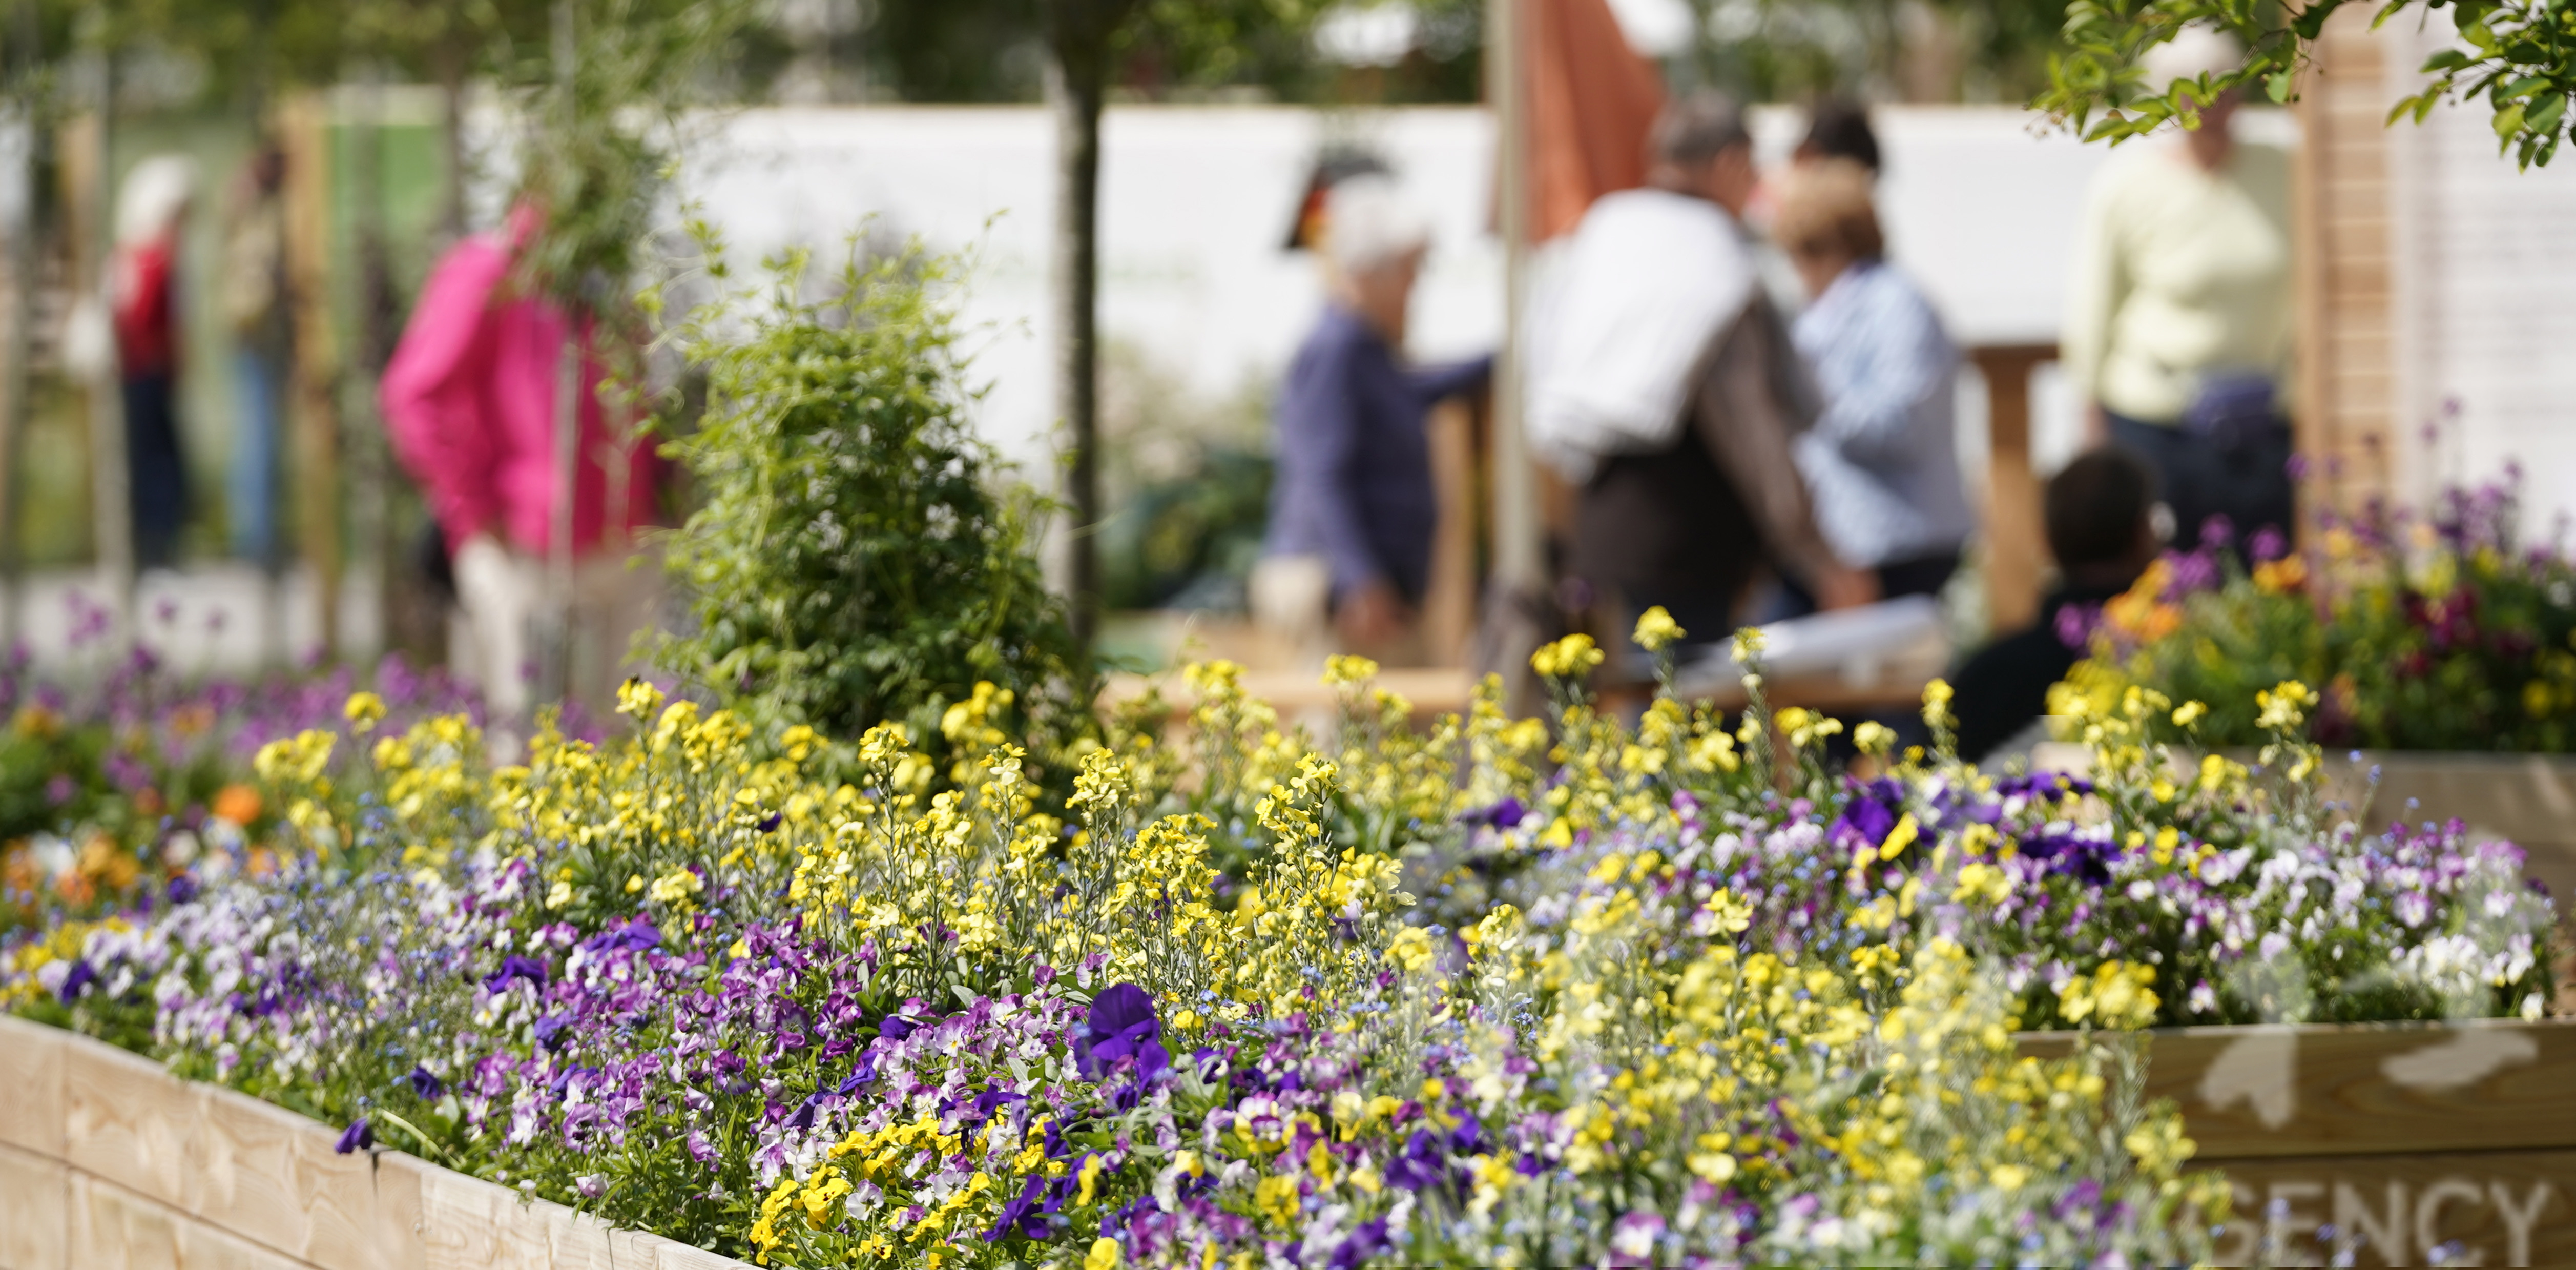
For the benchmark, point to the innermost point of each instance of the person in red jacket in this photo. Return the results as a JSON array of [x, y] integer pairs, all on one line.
[[469, 399], [151, 208]]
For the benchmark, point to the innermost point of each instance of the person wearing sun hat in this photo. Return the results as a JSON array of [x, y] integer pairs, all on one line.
[[1353, 508], [2178, 318]]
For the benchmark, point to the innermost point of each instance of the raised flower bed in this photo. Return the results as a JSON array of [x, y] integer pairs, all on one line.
[[1489, 992], [2443, 654], [106, 1159]]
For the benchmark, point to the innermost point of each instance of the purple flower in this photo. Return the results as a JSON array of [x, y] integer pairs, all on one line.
[[1502, 815], [357, 1137], [424, 1086], [2075, 624], [1021, 1214], [516, 967], [550, 1029], [2217, 532], [1870, 815], [82, 975], [2269, 545], [1367, 1241], [1421, 1165], [634, 936], [2083, 859], [1122, 1028]]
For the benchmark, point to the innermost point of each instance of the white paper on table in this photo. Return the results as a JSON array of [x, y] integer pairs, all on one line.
[[1855, 642]]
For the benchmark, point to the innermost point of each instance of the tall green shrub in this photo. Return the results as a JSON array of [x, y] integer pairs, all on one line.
[[857, 556]]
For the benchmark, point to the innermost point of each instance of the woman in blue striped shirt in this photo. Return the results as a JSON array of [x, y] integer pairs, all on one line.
[[1881, 460]]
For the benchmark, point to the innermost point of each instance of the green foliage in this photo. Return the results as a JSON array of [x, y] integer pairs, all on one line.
[[1188, 477], [2519, 55], [855, 559], [597, 151]]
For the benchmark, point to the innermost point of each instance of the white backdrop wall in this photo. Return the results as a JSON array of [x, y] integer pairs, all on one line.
[[1980, 205]]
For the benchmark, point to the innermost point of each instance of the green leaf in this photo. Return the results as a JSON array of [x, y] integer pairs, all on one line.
[[2277, 86], [2446, 60], [2543, 120], [2508, 121]]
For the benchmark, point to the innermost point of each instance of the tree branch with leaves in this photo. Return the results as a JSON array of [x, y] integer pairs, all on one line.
[[2519, 56]]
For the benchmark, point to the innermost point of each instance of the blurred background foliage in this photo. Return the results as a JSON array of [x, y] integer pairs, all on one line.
[[1323, 52]]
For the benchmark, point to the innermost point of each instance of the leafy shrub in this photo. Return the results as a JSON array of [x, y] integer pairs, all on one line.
[[855, 558]]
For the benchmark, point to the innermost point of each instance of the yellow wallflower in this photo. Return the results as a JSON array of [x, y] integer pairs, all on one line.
[[1656, 630]]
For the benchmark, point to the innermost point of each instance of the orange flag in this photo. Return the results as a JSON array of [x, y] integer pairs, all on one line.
[[1592, 100]]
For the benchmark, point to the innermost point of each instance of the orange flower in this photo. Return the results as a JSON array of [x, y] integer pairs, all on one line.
[[18, 867], [107, 864], [193, 719], [2282, 576], [238, 804]]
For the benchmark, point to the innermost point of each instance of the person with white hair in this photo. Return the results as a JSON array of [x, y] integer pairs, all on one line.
[[2178, 317], [1353, 492], [151, 208], [1664, 387]]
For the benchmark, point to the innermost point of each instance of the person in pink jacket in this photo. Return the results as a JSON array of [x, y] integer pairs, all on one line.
[[469, 400]]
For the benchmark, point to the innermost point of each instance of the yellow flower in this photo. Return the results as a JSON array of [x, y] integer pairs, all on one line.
[[1748, 645], [2282, 706], [1342, 668], [677, 885], [363, 711], [2116, 996], [1569, 658], [1103, 1255], [638, 700], [1657, 631]]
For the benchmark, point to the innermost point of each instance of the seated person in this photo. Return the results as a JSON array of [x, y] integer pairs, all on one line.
[[2100, 528]]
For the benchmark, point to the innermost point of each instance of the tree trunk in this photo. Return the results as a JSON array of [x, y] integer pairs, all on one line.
[[1077, 337], [1077, 81], [23, 264], [451, 141], [110, 478]]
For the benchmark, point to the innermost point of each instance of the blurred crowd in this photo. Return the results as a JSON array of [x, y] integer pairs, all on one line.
[[1751, 411]]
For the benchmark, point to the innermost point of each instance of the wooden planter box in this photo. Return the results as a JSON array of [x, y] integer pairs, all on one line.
[[2526, 799], [108, 1161], [2408, 1135]]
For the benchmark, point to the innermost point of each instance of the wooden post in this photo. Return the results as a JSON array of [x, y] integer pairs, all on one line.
[[304, 128], [2016, 541], [1520, 568], [2347, 407]]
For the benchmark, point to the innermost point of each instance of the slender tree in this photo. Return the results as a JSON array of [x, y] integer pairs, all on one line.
[[1079, 38]]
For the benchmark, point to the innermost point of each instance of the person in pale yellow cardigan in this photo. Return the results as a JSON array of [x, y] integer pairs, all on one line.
[[2178, 322]]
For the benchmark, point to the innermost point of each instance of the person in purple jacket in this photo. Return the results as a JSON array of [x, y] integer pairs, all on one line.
[[1353, 490]]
